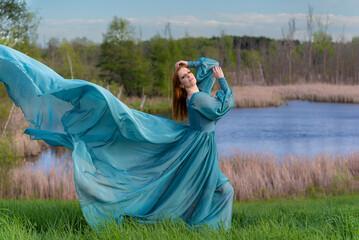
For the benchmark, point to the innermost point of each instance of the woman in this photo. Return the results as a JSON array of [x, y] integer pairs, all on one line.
[[126, 162]]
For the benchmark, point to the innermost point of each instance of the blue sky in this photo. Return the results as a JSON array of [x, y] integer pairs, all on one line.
[[90, 18]]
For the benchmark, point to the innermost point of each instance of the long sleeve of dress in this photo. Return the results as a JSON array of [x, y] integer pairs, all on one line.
[[214, 108], [204, 74], [211, 107], [194, 64]]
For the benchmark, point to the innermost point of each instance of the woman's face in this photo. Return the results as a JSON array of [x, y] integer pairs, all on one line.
[[186, 77]]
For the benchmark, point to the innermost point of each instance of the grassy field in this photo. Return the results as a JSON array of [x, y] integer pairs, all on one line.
[[318, 217]]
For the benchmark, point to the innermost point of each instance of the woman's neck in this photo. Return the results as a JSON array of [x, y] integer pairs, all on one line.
[[191, 90]]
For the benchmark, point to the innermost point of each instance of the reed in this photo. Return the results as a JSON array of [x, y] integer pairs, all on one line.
[[54, 183], [21, 142], [253, 175], [261, 175], [264, 96]]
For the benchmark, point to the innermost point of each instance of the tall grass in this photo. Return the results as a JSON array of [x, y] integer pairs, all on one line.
[[20, 141], [253, 175], [263, 96], [8, 161], [56, 183], [261, 175]]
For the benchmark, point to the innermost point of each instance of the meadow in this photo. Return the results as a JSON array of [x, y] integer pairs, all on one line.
[[315, 217]]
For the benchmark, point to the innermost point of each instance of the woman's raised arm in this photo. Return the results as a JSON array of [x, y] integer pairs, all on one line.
[[218, 74], [188, 64]]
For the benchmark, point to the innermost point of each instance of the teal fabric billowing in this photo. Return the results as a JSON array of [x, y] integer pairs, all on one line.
[[126, 162]]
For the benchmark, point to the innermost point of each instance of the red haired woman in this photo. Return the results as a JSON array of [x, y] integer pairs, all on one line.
[[126, 162]]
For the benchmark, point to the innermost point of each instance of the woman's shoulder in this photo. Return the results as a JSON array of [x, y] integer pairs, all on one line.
[[202, 99], [197, 97], [201, 94]]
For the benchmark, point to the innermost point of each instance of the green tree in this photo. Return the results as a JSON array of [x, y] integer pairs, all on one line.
[[157, 54], [322, 41], [88, 53], [322, 44], [354, 59], [122, 60], [72, 66], [17, 23]]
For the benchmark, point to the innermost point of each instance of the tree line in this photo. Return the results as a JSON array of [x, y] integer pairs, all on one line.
[[146, 66]]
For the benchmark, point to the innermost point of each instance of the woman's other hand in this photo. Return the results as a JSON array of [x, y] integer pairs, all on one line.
[[217, 72], [179, 63]]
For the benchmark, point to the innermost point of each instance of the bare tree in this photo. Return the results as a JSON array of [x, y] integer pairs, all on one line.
[[168, 34], [289, 41], [222, 50], [168, 37], [323, 28], [139, 34], [52, 47], [355, 59], [237, 46], [338, 47], [310, 26]]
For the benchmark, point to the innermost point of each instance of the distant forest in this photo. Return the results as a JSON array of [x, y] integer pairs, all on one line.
[[145, 67]]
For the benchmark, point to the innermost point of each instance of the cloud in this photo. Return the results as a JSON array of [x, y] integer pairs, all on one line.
[[283, 18], [180, 20], [73, 21], [254, 24]]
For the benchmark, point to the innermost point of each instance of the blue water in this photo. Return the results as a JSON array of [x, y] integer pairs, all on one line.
[[298, 128], [58, 158]]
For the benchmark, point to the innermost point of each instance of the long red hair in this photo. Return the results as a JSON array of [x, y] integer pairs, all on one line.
[[179, 108]]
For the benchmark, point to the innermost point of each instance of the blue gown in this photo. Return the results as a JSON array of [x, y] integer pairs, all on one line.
[[126, 162]]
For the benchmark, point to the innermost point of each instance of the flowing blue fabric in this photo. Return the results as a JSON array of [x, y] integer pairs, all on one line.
[[126, 162]]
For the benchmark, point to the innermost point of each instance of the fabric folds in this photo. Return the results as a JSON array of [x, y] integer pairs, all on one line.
[[126, 162]]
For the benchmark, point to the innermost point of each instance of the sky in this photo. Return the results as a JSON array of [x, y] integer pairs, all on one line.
[[269, 18]]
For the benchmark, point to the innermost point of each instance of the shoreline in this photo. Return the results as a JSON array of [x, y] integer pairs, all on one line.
[[255, 96]]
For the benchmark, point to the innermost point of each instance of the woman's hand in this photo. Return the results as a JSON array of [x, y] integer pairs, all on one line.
[[217, 72], [178, 64]]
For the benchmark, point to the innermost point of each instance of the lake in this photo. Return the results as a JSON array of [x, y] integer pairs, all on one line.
[[298, 128]]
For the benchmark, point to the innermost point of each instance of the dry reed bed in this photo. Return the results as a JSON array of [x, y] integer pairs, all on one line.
[[263, 96], [253, 175], [261, 175], [56, 183], [22, 143]]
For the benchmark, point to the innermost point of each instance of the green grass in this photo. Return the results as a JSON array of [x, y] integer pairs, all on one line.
[[320, 217]]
